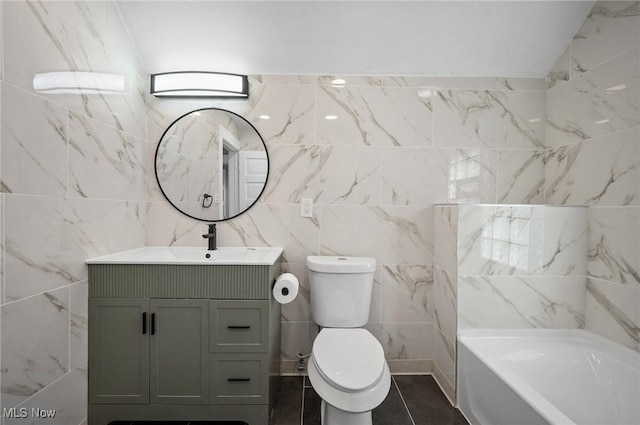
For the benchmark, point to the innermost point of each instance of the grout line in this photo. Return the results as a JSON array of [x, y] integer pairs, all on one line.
[[402, 398]]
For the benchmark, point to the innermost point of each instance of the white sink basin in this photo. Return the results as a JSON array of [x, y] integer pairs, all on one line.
[[192, 255]]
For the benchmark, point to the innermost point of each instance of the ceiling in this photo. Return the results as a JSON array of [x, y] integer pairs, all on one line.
[[435, 38]]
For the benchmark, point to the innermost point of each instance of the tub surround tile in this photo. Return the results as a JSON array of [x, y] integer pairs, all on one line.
[[602, 101], [614, 244], [393, 234], [514, 240], [489, 119], [445, 237], [35, 344], [520, 178], [372, 116], [611, 28], [521, 302], [571, 177], [612, 311], [34, 144], [445, 300]]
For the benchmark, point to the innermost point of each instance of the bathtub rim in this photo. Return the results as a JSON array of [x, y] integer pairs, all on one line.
[[518, 385]]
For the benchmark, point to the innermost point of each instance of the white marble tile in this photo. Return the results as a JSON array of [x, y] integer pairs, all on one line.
[[392, 235], [283, 79], [326, 174], [34, 144], [407, 293], [614, 244], [522, 240], [79, 324], [67, 396], [404, 341], [58, 44], [520, 177], [561, 71], [446, 237], [296, 337], [373, 116], [490, 119], [444, 355], [522, 84], [445, 297], [572, 178], [35, 344], [274, 225], [465, 83], [169, 227], [418, 176], [604, 100], [49, 239], [291, 110], [521, 302], [349, 80], [611, 28], [105, 162], [612, 311]]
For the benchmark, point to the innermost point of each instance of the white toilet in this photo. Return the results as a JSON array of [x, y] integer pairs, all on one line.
[[347, 367]]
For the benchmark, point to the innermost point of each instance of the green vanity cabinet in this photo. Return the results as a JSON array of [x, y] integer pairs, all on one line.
[[169, 343]]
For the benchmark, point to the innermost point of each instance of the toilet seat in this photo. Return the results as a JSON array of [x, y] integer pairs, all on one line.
[[350, 360]]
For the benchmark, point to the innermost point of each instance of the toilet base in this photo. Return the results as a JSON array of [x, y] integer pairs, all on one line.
[[331, 415]]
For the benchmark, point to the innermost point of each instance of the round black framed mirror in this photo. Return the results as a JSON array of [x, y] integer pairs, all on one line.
[[211, 164]]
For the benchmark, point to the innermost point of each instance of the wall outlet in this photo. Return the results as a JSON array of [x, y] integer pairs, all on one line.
[[306, 207]]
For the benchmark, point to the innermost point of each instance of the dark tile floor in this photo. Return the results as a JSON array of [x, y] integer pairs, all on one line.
[[412, 400]]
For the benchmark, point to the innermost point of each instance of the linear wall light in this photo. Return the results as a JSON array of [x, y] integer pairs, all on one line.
[[78, 82], [199, 84]]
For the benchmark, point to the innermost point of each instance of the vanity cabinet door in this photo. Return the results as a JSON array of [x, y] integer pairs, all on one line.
[[179, 351], [118, 350]]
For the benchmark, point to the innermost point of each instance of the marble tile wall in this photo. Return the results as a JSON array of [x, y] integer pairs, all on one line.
[[73, 171], [593, 135], [374, 173]]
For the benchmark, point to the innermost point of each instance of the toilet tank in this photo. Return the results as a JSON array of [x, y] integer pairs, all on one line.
[[340, 290]]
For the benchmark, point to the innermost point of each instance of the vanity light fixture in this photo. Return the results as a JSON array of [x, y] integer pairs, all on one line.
[[79, 82], [185, 84]]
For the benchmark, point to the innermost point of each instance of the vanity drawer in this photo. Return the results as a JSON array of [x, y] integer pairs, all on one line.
[[239, 326], [239, 378]]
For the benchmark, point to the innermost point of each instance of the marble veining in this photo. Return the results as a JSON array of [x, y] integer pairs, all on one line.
[[521, 177], [407, 291]]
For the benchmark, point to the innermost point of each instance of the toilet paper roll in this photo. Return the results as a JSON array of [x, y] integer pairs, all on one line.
[[286, 287]]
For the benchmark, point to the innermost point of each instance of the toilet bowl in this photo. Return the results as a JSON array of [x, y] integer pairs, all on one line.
[[348, 370], [347, 367]]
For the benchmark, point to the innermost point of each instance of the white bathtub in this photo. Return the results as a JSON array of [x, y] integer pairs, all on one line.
[[527, 377]]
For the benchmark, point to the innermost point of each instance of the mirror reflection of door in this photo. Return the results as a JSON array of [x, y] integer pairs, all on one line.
[[211, 164]]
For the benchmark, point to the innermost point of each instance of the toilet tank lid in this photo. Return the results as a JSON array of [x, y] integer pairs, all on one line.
[[341, 264]]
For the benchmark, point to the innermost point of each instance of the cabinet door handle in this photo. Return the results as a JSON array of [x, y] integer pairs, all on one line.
[[239, 327], [153, 323], [238, 379], [144, 323]]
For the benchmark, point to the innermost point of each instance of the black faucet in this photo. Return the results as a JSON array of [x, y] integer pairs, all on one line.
[[212, 237]]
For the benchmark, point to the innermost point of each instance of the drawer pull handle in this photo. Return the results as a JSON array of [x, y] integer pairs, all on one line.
[[238, 327], [153, 323], [238, 379], [144, 323]]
